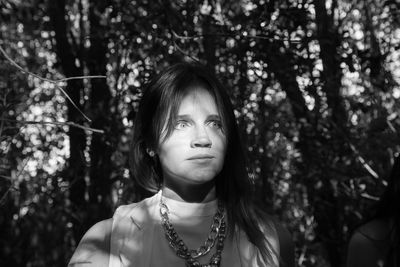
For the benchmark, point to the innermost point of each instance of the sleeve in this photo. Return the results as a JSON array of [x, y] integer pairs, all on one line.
[[93, 249]]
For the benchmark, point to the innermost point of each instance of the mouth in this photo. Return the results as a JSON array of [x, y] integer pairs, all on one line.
[[201, 157]]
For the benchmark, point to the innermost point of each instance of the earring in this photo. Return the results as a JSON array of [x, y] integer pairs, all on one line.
[[150, 152]]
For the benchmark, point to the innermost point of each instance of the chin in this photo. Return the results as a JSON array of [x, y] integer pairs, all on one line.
[[200, 181], [203, 178]]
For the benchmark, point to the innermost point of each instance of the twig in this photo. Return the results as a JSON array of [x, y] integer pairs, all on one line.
[[390, 124], [184, 53], [55, 82], [10, 178], [58, 123], [12, 138], [363, 162], [23, 168], [5, 194], [257, 36], [368, 196], [302, 255], [3, 114], [81, 78], [1, 124], [72, 102], [45, 79], [5, 177]]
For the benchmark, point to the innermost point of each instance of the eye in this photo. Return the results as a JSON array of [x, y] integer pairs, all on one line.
[[181, 124], [217, 124]]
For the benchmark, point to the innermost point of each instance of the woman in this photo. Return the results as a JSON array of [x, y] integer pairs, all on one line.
[[377, 242], [186, 149]]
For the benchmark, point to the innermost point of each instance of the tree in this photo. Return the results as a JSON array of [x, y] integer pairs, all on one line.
[[314, 86]]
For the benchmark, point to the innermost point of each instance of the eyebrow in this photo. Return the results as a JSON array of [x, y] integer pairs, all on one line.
[[188, 117]]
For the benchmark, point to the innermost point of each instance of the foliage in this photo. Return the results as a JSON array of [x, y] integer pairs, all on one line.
[[315, 86]]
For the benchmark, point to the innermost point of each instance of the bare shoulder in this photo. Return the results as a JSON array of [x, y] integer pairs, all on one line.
[[93, 249], [286, 246], [364, 247], [377, 229]]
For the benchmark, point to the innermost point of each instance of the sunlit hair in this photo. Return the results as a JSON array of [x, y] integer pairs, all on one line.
[[388, 207], [158, 107]]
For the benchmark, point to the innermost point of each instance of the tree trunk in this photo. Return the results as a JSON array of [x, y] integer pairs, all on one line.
[[209, 44], [281, 64], [100, 96], [75, 170], [327, 216], [376, 59], [328, 39]]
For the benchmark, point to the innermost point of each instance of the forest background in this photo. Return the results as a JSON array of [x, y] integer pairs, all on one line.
[[315, 85]]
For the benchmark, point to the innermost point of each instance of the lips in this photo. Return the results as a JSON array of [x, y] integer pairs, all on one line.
[[201, 156]]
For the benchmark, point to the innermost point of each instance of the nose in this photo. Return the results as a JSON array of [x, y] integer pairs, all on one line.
[[201, 138]]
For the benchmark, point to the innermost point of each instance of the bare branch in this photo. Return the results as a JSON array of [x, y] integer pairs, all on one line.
[[11, 180], [5, 177], [23, 168], [55, 82], [369, 197], [185, 53], [5, 194], [72, 102], [390, 124], [1, 124], [246, 36], [58, 123], [363, 162], [302, 256], [45, 79], [81, 78]]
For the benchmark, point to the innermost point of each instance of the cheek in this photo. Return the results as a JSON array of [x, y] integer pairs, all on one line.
[[170, 151], [220, 143], [165, 154], [167, 160]]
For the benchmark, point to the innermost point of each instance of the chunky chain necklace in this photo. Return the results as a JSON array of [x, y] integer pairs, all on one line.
[[216, 235]]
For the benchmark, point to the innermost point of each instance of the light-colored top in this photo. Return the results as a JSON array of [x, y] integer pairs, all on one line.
[[137, 238]]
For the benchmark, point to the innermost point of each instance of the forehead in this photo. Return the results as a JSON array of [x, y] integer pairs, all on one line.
[[198, 99], [193, 99]]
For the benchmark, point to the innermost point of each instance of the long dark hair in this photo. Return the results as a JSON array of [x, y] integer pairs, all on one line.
[[159, 104], [388, 207]]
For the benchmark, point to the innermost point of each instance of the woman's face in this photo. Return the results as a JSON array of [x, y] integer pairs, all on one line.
[[194, 153]]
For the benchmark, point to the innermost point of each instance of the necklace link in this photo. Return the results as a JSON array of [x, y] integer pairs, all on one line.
[[216, 236]]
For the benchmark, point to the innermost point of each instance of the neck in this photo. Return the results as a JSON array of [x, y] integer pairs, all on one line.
[[190, 193]]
